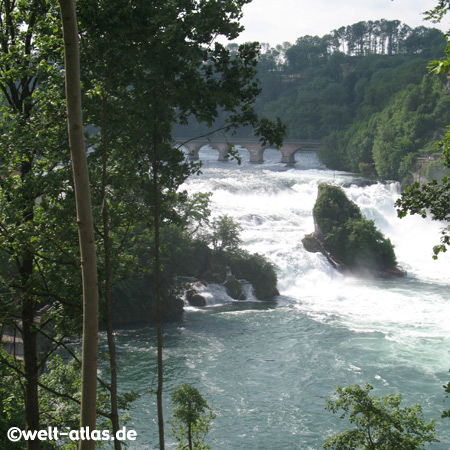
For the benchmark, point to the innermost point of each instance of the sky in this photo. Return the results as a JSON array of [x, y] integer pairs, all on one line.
[[278, 21]]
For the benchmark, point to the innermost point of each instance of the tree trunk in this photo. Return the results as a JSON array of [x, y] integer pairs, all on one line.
[[108, 309], [190, 435], [28, 310], [29, 353], [84, 221], [159, 320]]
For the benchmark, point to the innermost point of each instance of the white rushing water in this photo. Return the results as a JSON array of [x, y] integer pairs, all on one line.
[[267, 369], [274, 206]]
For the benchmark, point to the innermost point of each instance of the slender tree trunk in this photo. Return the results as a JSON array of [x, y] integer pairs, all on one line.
[[29, 354], [110, 336], [113, 367], [159, 320], [190, 435], [108, 308], [84, 220], [31, 372], [28, 310]]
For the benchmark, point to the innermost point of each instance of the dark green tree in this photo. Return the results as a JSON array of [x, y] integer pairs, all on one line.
[[335, 88], [406, 126], [40, 270], [191, 418], [39, 274], [447, 390], [225, 234], [105, 63], [379, 423], [351, 238]]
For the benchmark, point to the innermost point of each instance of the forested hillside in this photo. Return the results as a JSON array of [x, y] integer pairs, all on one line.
[[364, 91]]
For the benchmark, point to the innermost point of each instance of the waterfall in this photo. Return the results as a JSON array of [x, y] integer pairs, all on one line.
[[273, 203], [266, 368]]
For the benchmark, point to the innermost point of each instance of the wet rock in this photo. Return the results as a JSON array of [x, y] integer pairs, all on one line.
[[195, 299], [234, 288]]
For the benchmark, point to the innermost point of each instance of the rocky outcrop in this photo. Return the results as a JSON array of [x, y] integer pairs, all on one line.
[[234, 271], [133, 299], [229, 268], [234, 288], [314, 245], [347, 239], [194, 298]]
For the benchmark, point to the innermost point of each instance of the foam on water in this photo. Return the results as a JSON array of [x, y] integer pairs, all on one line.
[[274, 207], [216, 295]]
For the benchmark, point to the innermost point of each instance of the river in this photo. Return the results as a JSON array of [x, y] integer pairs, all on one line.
[[266, 368]]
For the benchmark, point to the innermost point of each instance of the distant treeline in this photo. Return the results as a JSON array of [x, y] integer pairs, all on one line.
[[361, 90], [379, 37]]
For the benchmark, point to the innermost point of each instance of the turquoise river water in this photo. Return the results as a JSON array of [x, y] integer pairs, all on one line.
[[266, 368]]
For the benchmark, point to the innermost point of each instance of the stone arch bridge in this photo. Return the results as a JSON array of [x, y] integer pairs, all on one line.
[[253, 146]]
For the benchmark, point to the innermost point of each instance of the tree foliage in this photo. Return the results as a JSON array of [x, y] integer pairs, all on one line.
[[12, 404], [433, 199], [39, 274], [447, 390], [225, 234], [379, 423], [256, 269], [191, 418], [183, 72]]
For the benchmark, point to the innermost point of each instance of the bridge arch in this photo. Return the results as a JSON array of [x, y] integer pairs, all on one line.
[[193, 148], [253, 146], [289, 150]]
